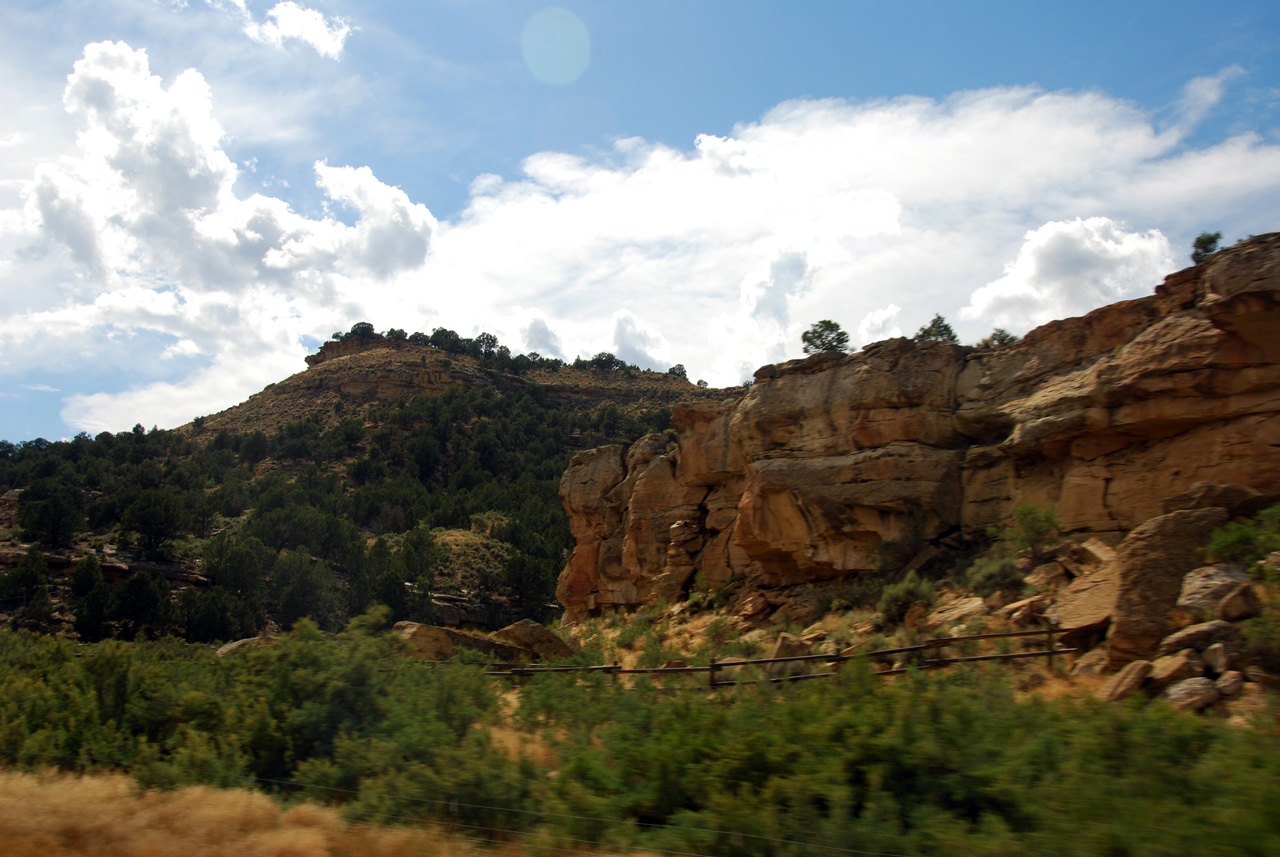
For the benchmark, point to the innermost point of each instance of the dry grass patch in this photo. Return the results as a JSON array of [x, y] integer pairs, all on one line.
[[60, 815]]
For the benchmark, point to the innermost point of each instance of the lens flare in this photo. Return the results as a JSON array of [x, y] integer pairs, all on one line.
[[556, 46]]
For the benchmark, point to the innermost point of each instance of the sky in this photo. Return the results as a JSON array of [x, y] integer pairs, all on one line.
[[195, 194]]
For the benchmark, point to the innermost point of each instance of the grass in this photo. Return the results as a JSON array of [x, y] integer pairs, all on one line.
[[107, 815]]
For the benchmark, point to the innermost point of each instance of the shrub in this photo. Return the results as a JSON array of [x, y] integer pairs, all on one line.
[[897, 598], [1033, 529], [1246, 541], [992, 574], [1206, 243]]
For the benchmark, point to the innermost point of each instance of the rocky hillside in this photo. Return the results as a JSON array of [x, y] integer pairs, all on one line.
[[347, 376], [922, 445]]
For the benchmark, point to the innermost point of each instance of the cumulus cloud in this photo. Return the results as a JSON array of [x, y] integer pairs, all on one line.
[[634, 343], [878, 324], [1066, 268], [145, 234], [539, 337], [288, 20], [1001, 207]]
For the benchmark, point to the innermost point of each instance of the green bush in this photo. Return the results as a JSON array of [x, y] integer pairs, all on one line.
[[897, 598], [1246, 541], [992, 574], [1033, 529]]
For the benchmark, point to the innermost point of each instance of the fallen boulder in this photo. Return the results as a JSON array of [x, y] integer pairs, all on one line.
[[1198, 637], [1192, 694], [433, 643], [956, 611], [1241, 603], [1151, 563], [1204, 588], [1125, 682], [1174, 668], [1083, 609], [528, 634]]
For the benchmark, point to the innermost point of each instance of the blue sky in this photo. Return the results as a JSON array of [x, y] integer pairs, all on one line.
[[194, 194]]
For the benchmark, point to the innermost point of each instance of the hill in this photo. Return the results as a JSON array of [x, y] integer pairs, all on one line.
[[347, 377], [393, 472]]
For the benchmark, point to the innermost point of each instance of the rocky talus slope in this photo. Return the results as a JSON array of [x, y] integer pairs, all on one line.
[[1103, 417]]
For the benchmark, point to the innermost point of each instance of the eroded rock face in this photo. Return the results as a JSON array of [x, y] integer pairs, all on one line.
[[823, 460]]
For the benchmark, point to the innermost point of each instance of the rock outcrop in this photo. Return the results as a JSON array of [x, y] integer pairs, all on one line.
[[823, 460]]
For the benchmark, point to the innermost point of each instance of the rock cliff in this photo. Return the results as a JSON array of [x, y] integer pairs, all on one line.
[[822, 460]]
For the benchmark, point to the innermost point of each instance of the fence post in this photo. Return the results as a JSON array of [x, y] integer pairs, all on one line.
[[712, 671]]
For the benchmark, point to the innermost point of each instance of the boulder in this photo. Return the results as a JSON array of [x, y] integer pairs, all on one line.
[[1098, 552], [528, 634], [1091, 663], [1174, 668], [1264, 679], [753, 605], [1192, 694], [1229, 683], [1151, 563], [1038, 602], [1241, 603], [1125, 682], [790, 646], [242, 645], [1083, 609], [956, 611], [1216, 659], [433, 643], [1197, 637], [1204, 588], [1046, 575]]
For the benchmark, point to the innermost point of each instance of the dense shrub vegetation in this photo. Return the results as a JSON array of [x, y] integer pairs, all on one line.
[[281, 525], [936, 764]]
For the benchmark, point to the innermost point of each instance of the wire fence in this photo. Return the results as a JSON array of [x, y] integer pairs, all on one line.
[[916, 654]]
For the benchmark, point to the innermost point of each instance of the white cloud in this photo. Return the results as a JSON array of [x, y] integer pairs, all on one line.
[[291, 21], [636, 343], [1001, 207], [143, 243], [539, 337], [878, 324], [1201, 95], [181, 348], [1066, 268]]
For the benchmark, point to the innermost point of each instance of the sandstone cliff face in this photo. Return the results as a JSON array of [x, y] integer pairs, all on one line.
[[823, 459]]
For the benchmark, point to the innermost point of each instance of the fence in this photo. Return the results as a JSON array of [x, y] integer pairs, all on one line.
[[714, 668]]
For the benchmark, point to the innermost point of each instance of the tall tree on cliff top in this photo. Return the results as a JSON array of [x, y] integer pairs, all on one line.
[[824, 335], [937, 331]]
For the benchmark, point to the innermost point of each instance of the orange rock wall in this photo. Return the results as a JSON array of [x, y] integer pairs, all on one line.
[[823, 459]]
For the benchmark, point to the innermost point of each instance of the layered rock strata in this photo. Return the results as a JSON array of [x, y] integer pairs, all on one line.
[[823, 460]]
